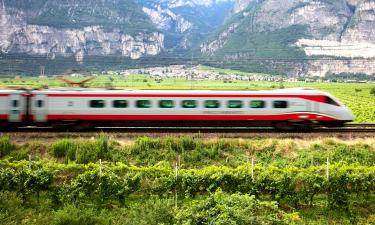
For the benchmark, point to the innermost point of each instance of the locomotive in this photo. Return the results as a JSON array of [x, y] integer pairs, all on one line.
[[87, 108]]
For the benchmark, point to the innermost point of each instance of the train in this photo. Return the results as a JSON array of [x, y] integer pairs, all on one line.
[[82, 108]]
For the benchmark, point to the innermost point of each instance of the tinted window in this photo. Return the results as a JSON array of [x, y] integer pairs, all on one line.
[[15, 103], [257, 104], [189, 104], [166, 104], [280, 104], [211, 104], [39, 103], [120, 103], [330, 101], [97, 103], [144, 104], [234, 104]]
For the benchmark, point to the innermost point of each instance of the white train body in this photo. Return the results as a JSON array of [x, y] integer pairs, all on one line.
[[13, 107], [89, 108], [186, 108]]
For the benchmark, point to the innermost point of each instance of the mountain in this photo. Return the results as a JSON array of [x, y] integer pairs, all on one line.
[[296, 37], [103, 32], [186, 22], [77, 28]]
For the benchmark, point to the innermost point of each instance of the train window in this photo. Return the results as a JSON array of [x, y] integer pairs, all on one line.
[[330, 101], [39, 103], [166, 104], [97, 103], [189, 104], [257, 104], [144, 104], [120, 104], [280, 104], [211, 104], [234, 104], [15, 103]]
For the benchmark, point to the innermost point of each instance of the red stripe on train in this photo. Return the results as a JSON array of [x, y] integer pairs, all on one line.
[[4, 95], [299, 116], [3, 117], [316, 98]]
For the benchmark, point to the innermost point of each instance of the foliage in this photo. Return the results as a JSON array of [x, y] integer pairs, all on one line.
[[102, 186], [372, 91], [222, 208], [290, 184], [145, 211], [63, 148], [25, 182], [125, 16], [6, 146], [71, 215], [82, 151], [193, 152]]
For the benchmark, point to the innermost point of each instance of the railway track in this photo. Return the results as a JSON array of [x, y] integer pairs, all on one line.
[[45, 134], [349, 128]]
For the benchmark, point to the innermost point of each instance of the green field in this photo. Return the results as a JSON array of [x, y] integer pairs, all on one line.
[[355, 95], [105, 181]]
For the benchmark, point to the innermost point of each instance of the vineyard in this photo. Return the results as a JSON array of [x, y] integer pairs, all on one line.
[[185, 180]]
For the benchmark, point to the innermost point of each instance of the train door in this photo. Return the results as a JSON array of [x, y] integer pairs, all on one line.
[[39, 108], [316, 107], [309, 106], [16, 106]]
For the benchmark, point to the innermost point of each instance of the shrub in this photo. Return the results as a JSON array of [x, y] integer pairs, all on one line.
[[71, 215], [6, 146], [104, 147], [86, 152], [63, 148], [82, 151], [103, 186], [26, 182], [222, 208], [147, 211]]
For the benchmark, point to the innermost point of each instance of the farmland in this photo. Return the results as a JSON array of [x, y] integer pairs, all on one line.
[[355, 95], [185, 180]]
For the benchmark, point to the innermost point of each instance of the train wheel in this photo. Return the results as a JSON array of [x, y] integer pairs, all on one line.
[[83, 126], [282, 126], [294, 125], [3, 126], [333, 124]]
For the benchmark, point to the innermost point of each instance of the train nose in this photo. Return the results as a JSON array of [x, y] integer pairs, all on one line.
[[348, 114]]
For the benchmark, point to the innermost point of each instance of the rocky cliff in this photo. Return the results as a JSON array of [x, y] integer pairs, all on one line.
[[186, 22], [294, 30], [77, 28]]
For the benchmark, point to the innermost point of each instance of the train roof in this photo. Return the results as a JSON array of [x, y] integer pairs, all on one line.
[[11, 91], [291, 91]]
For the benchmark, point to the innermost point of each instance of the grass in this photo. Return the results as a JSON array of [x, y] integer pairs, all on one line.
[[6, 146], [198, 153]]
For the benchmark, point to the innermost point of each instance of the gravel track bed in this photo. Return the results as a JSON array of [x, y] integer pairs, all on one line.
[[22, 135]]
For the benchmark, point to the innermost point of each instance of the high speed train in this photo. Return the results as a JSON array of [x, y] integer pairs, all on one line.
[[88, 108]]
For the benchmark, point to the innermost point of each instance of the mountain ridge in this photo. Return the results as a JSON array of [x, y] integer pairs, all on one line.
[[317, 29]]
